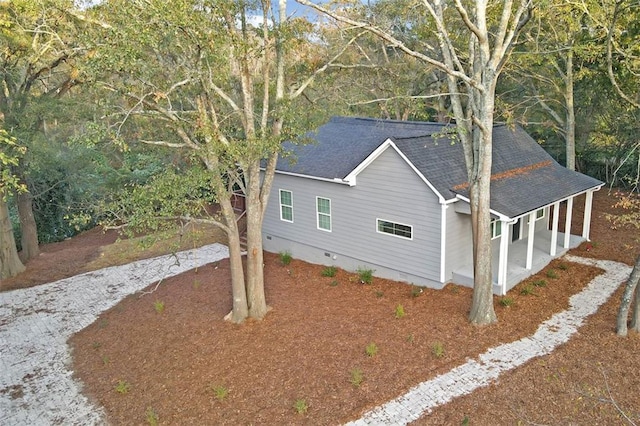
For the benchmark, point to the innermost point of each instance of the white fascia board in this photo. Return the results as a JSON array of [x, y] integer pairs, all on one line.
[[334, 180], [502, 217], [351, 177], [594, 188]]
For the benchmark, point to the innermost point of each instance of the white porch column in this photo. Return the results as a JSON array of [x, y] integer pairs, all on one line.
[[554, 228], [586, 221], [567, 223], [504, 256], [532, 231]]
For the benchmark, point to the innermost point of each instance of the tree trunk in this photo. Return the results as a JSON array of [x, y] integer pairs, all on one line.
[[630, 288], [10, 264], [29, 240], [255, 256], [239, 311], [482, 311], [570, 121]]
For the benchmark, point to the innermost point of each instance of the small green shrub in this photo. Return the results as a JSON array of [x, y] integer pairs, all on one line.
[[152, 416], [527, 290], [333, 283], [552, 274], [506, 301], [357, 377], [416, 291], [105, 359], [221, 392], [158, 305], [329, 271], [365, 275], [123, 386], [410, 338], [379, 293], [540, 283], [285, 258], [399, 311], [371, 349], [437, 349], [300, 406], [563, 266]]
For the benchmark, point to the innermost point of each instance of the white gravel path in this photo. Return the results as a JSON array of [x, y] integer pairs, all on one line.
[[36, 385], [476, 373]]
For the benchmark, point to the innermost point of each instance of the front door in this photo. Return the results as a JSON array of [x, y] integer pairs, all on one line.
[[515, 231]]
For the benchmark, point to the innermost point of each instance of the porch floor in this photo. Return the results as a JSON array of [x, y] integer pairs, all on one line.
[[516, 264]]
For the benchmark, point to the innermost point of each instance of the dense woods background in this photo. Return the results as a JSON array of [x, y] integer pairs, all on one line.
[[94, 104]]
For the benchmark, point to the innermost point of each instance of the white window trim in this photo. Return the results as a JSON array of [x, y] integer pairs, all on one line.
[[284, 205], [393, 235], [494, 235], [318, 213]]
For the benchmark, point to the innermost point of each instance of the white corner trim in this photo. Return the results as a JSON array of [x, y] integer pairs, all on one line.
[[443, 241]]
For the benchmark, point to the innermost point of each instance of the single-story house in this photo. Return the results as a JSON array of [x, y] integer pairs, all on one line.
[[391, 196]]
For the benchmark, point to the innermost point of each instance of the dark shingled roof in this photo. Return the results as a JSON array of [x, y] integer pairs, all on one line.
[[524, 176]]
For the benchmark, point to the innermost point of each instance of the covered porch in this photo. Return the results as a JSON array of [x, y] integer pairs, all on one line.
[[522, 250]]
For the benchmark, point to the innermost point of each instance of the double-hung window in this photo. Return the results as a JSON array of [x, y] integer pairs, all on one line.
[[286, 205], [496, 229], [323, 212]]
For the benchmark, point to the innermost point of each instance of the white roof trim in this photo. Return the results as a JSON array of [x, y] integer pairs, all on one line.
[[334, 180], [351, 177], [513, 219], [501, 216]]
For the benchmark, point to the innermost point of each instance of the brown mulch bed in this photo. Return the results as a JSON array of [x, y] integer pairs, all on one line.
[[177, 363]]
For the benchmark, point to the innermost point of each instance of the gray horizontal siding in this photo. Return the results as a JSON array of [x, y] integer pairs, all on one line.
[[388, 189]]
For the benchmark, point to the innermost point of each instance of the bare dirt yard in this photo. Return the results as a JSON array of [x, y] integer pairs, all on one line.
[[332, 348]]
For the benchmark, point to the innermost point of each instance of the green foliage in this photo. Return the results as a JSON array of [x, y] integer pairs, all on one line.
[[158, 305], [371, 350], [563, 267], [357, 377], [527, 290], [329, 271], [399, 311], [506, 301], [365, 275], [221, 392], [157, 204], [285, 258], [540, 283], [552, 274], [152, 417], [416, 291], [333, 283], [122, 387], [300, 406], [437, 349]]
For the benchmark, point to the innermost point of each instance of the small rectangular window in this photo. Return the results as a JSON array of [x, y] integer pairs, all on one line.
[[393, 228], [323, 209], [286, 205], [496, 229]]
